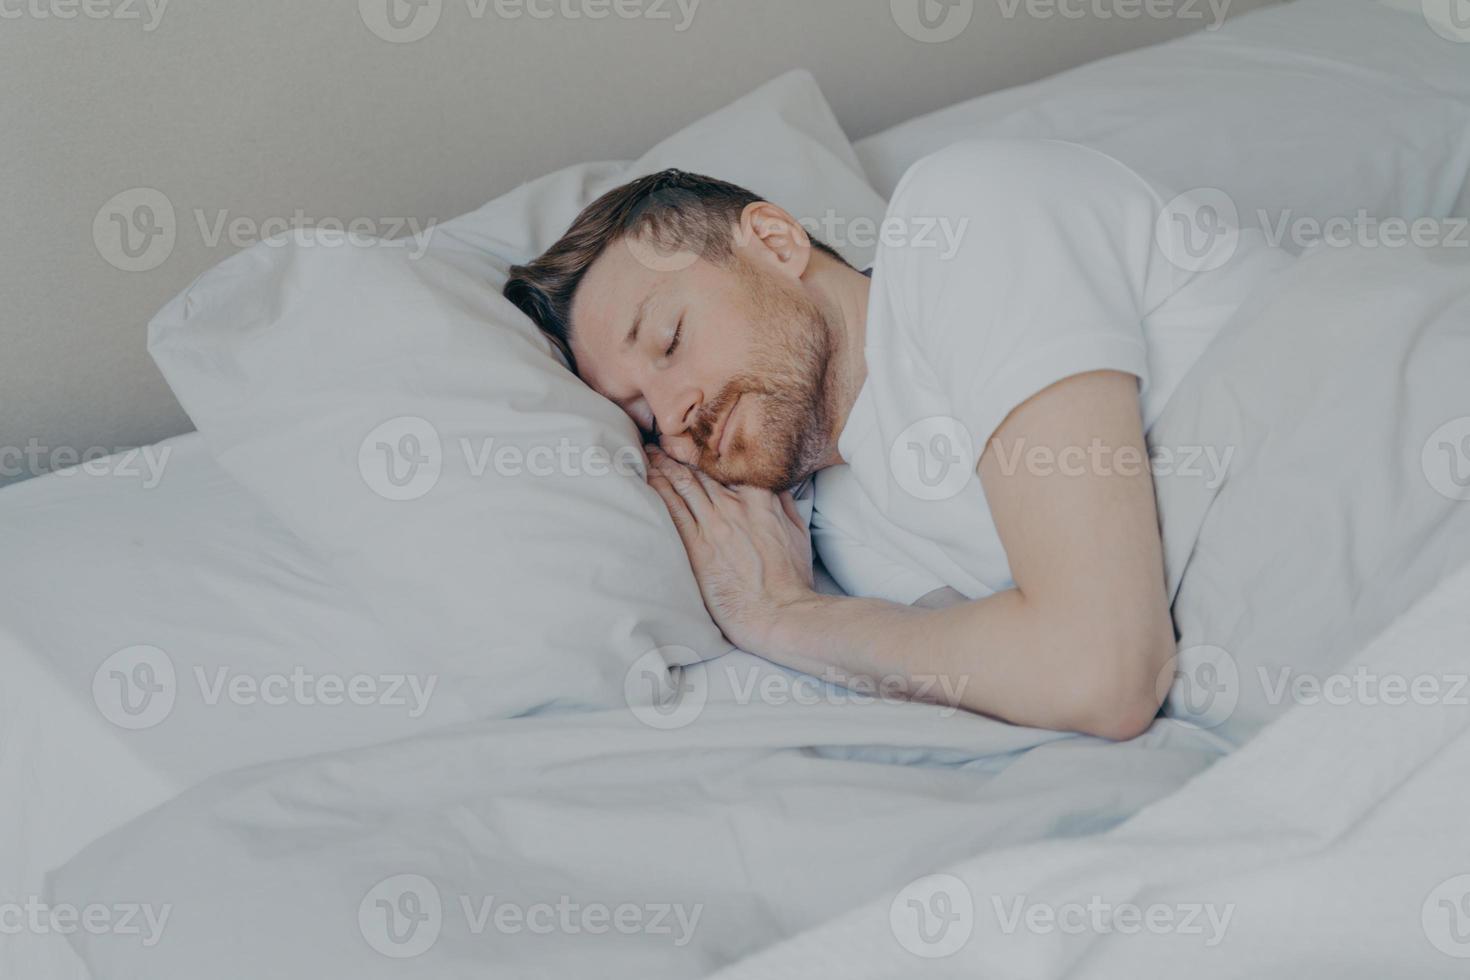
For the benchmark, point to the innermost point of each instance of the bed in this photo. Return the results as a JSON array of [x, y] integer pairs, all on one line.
[[774, 824]]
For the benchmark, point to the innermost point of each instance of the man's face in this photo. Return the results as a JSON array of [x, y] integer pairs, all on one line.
[[727, 363]]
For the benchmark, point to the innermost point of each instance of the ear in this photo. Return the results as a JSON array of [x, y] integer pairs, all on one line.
[[770, 237]]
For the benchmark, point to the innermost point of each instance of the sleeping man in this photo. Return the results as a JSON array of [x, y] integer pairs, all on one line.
[[974, 418]]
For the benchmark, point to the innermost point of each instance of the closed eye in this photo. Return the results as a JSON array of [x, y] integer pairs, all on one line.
[[674, 344]]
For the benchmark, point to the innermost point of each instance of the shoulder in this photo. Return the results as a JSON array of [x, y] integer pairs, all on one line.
[[1016, 218]]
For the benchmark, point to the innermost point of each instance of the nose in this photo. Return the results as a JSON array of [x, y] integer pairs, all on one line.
[[676, 411]]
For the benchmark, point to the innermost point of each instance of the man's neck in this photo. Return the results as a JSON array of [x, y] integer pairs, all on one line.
[[843, 291]]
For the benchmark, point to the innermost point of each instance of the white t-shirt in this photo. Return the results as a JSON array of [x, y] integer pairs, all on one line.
[[1005, 267]]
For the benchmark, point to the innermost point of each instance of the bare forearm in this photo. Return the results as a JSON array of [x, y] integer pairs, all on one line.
[[998, 656]]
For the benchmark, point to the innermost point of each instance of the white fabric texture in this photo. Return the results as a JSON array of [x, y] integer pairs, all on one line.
[[161, 549], [754, 818], [1333, 845], [773, 815], [1334, 839], [415, 429], [182, 559], [1354, 109], [1311, 109], [781, 141], [410, 425], [1057, 269]]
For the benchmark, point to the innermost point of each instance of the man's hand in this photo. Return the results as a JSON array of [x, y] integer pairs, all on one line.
[[750, 550], [1084, 641]]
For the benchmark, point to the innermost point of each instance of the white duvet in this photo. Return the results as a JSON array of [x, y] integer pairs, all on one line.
[[680, 842], [514, 848], [1334, 845]]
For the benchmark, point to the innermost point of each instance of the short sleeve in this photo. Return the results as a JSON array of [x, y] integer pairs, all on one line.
[[1016, 264], [857, 562]]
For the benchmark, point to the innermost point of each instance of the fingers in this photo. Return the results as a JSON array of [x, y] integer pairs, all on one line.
[[678, 510], [684, 481], [779, 504], [714, 489], [788, 504]]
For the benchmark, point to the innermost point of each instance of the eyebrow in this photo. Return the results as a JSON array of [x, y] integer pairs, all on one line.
[[632, 337]]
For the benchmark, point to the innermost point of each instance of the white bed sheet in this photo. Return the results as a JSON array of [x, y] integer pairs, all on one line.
[[165, 552], [1332, 846], [101, 563], [97, 564]]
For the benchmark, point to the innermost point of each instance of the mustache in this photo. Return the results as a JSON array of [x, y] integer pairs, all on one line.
[[703, 428]]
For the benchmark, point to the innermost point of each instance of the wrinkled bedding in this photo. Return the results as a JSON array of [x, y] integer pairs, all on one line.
[[753, 806]]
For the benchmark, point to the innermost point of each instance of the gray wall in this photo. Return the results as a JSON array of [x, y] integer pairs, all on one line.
[[259, 109]]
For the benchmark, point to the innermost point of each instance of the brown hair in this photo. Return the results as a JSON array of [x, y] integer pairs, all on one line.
[[678, 211]]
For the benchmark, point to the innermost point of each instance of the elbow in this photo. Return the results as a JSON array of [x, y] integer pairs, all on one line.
[[1122, 720], [1119, 694]]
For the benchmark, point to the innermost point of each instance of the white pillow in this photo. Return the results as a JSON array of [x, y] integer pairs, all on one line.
[[781, 141], [412, 426], [394, 411], [1305, 110]]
